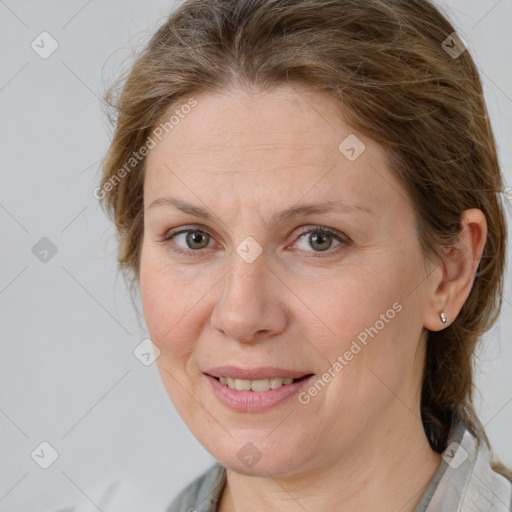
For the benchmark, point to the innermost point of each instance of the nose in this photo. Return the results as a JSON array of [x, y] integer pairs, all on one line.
[[250, 308]]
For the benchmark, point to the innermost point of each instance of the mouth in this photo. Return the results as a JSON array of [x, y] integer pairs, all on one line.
[[258, 385], [256, 390]]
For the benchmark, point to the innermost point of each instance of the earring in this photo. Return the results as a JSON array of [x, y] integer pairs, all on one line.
[[443, 317]]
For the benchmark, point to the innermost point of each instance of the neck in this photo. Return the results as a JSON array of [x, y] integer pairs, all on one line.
[[388, 471]]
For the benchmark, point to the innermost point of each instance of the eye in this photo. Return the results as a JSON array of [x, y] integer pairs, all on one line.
[[320, 239], [188, 240]]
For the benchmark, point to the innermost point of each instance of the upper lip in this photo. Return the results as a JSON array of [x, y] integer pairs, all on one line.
[[255, 373]]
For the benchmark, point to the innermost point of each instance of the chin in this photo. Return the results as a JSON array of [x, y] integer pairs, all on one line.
[[258, 458]]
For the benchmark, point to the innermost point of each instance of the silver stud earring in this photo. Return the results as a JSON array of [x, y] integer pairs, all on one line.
[[443, 317]]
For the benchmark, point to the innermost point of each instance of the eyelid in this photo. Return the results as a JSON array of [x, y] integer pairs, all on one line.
[[304, 230], [323, 229], [184, 229], [343, 239], [171, 233]]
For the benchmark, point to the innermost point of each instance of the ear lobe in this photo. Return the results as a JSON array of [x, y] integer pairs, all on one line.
[[459, 267]]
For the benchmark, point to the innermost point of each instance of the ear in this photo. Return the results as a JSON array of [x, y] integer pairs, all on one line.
[[459, 267]]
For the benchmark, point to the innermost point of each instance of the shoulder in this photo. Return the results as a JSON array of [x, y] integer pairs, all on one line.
[[469, 482], [486, 486], [201, 495], [131, 494]]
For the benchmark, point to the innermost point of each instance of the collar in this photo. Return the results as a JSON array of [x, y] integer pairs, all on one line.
[[468, 482]]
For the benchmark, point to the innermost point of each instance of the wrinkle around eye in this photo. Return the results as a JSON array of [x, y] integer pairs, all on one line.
[[340, 241]]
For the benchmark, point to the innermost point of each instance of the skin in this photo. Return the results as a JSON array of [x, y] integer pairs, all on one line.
[[359, 444]]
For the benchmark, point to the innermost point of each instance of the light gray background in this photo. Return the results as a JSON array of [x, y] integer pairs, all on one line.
[[68, 329]]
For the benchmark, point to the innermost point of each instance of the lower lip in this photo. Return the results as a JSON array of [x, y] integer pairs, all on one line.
[[255, 401]]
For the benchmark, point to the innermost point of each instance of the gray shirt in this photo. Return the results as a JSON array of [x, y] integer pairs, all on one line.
[[464, 482]]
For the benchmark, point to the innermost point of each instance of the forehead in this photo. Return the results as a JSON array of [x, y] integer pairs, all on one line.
[[286, 142], [283, 121]]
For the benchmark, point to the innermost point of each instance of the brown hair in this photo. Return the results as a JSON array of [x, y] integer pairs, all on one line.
[[384, 63]]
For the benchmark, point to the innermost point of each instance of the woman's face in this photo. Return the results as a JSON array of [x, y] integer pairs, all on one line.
[[238, 280]]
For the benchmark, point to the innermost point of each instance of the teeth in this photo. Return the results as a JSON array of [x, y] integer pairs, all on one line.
[[260, 385], [275, 383], [255, 385], [242, 385]]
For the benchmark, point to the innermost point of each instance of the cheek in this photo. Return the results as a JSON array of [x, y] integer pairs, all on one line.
[[165, 303], [373, 320], [351, 303], [168, 303], [378, 326]]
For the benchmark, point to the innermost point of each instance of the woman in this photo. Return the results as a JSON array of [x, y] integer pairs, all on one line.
[[308, 194]]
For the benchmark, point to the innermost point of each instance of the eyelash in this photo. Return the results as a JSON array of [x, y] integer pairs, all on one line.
[[343, 239]]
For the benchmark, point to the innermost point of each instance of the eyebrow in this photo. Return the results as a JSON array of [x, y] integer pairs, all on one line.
[[294, 211]]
